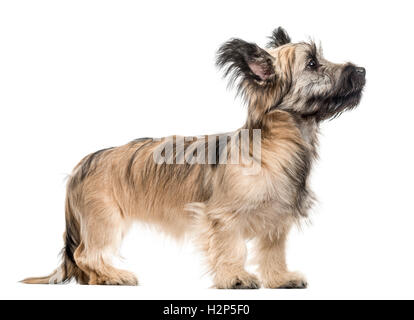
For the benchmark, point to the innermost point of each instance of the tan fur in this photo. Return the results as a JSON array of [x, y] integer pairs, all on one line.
[[105, 203]]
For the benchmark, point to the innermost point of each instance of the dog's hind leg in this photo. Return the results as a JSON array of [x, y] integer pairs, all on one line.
[[102, 232]]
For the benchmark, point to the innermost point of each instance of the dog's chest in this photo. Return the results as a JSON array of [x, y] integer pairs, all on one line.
[[287, 158]]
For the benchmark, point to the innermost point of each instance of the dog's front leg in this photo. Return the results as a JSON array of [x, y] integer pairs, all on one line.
[[226, 252], [272, 264]]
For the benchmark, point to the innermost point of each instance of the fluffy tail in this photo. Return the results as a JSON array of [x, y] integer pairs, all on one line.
[[68, 269]]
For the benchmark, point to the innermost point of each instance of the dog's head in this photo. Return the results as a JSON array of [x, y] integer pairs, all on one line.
[[290, 76]]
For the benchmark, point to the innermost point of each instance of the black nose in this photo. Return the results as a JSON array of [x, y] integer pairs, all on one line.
[[361, 71]]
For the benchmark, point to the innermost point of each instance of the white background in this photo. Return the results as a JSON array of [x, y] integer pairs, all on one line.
[[78, 76]]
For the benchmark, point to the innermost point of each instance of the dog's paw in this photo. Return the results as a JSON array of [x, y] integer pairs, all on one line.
[[242, 281], [294, 284], [291, 280], [118, 278]]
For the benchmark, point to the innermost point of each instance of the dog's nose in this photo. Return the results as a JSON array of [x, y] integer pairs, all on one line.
[[361, 71]]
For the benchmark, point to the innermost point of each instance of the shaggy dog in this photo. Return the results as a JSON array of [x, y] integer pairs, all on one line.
[[224, 189]]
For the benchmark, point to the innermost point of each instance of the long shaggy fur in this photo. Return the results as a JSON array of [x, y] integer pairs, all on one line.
[[289, 89]]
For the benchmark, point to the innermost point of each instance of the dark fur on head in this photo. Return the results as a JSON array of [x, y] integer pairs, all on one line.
[[290, 77], [245, 61], [278, 38], [252, 70]]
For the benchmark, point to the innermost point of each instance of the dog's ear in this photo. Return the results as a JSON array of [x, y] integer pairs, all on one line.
[[278, 38], [246, 62]]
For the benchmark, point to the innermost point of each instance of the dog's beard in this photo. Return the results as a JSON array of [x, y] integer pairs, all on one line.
[[329, 107]]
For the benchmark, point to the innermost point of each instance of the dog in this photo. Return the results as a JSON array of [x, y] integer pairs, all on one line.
[[186, 186]]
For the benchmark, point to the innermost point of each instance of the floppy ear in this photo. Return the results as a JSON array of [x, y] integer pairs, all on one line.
[[278, 38], [245, 61]]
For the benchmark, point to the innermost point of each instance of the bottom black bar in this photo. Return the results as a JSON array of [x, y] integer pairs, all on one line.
[[220, 309]]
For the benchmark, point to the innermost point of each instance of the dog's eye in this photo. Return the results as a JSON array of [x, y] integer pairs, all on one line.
[[312, 64]]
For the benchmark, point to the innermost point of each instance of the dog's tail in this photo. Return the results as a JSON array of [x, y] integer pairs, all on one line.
[[68, 269]]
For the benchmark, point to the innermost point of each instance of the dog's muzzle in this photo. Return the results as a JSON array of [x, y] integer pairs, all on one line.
[[352, 80]]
